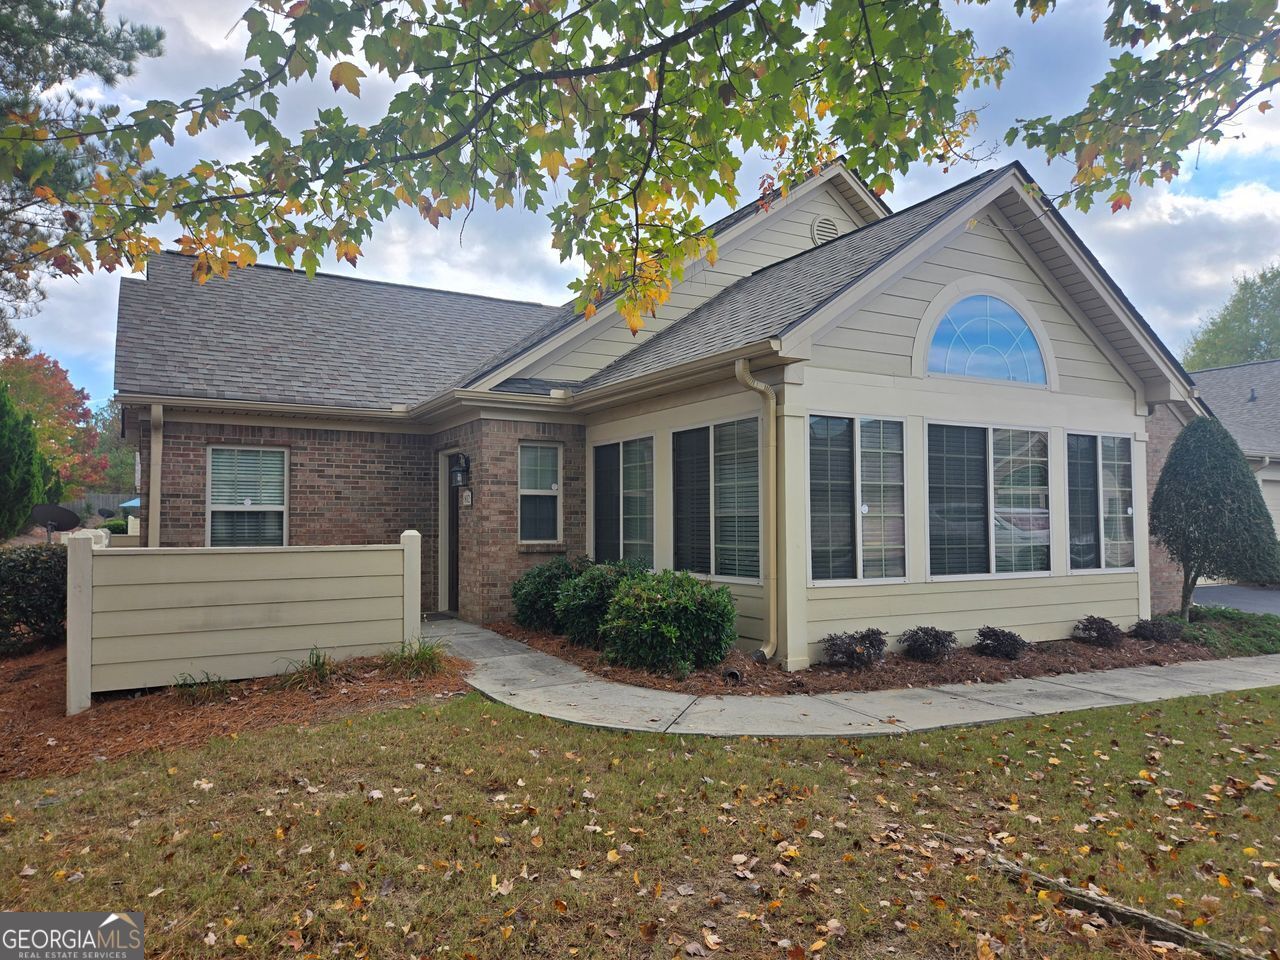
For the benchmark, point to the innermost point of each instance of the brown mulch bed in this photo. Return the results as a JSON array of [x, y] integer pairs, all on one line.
[[39, 739], [895, 672]]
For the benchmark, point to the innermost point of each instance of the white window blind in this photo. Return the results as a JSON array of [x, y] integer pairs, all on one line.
[[246, 497]]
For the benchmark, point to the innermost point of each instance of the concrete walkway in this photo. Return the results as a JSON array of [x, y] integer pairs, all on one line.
[[527, 679]]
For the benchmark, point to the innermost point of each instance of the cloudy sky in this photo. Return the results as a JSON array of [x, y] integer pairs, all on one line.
[[1174, 252]]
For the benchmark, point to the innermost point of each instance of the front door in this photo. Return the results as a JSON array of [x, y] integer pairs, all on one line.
[[455, 496]]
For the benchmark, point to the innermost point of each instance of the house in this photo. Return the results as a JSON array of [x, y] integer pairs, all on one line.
[[1245, 397], [947, 414]]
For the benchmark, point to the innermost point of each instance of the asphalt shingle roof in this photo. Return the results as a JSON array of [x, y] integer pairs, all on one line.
[[1246, 398], [269, 335], [768, 302]]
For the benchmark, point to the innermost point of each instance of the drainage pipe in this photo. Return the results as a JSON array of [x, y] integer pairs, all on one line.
[[769, 482]]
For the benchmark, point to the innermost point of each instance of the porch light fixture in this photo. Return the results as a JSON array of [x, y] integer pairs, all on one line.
[[460, 471]]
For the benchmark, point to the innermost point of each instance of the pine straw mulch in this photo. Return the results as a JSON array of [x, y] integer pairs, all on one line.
[[39, 739], [894, 672]]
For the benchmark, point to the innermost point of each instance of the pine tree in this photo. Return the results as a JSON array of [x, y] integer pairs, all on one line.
[[22, 472], [1208, 511]]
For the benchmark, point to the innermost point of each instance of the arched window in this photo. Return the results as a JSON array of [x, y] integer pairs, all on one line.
[[984, 337]]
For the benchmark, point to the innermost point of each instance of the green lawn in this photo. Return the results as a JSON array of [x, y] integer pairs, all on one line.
[[467, 829]]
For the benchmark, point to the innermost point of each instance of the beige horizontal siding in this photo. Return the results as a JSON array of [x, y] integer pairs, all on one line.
[[880, 336], [1040, 608], [158, 614]]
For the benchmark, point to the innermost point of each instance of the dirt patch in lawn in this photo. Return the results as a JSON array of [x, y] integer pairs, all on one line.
[[40, 739], [895, 672]]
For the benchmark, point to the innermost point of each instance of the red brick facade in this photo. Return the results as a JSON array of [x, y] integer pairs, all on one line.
[[1163, 428], [360, 486]]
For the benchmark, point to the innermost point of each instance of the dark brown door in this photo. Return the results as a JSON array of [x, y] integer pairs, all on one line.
[[455, 495]]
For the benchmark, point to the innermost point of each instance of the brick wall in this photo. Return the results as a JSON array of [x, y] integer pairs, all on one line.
[[490, 554], [345, 486], [1166, 576], [355, 486]]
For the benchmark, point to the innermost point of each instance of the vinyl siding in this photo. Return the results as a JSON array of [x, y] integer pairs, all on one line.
[[1269, 480], [1039, 608], [238, 613], [880, 336], [786, 233]]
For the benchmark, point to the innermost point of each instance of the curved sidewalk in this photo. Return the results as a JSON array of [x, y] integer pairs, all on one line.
[[527, 679]]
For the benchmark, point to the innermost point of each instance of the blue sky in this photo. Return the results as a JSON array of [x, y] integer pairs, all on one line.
[[1174, 252]]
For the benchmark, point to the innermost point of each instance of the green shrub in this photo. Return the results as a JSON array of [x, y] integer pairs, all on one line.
[[584, 600], [860, 649], [415, 658], [668, 622], [1098, 632], [994, 642], [927, 644], [33, 597], [536, 591], [315, 671], [1234, 632], [116, 525], [1162, 629]]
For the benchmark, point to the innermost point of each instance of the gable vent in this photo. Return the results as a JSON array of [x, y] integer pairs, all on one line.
[[823, 229]]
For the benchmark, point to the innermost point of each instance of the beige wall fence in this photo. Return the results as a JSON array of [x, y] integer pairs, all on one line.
[[145, 617]]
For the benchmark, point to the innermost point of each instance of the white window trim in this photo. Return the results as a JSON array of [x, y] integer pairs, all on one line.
[[653, 541], [210, 510], [857, 419], [971, 286], [1102, 519], [558, 492], [711, 493], [1054, 532]]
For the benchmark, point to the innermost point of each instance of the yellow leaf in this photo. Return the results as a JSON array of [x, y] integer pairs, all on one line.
[[346, 74], [242, 941], [613, 856], [553, 162], [1223, 881]]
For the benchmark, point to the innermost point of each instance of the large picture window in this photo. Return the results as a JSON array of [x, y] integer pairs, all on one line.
[[247, 497], [624, 501], [539, 492], [988, 501], [716, 488], [1100, 501], [856, 496]]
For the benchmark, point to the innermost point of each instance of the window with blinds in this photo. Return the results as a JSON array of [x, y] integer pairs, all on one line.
[[737, 498], [623, 501], [1100, 502], [691, 493], [856, 495], [716, 492], [1084, 520], [247, 497], [959, 525], [539, 492], [1020, 495]]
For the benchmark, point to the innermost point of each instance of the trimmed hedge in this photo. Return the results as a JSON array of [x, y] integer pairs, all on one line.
[[1161, 629], [33, 597], [668, 622], [116, 525], [536, 591], [1098, 632], [584, 600]]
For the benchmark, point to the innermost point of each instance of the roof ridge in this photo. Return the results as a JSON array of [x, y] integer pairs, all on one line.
[[1234, 366], [384, 283], [867, 226]]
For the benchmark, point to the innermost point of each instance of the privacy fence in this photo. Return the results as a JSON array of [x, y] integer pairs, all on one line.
[[145, 617]]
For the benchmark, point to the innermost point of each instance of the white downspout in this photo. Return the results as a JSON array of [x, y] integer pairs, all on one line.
[[1266, 462], [769, 551]]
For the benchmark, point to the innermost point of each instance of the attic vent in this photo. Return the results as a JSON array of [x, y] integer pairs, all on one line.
[[823, 229]]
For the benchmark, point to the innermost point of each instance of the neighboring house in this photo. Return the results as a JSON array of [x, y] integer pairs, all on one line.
[[1246, 398], [946, 415]]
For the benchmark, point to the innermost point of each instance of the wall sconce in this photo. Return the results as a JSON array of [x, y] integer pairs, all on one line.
[[459, 470]]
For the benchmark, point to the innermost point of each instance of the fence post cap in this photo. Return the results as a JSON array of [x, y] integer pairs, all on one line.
[[409, 536]]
